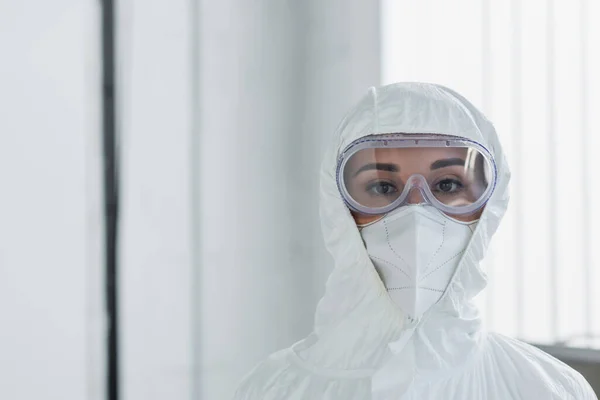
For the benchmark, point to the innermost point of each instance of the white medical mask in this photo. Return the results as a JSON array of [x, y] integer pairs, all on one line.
[[416, 249]]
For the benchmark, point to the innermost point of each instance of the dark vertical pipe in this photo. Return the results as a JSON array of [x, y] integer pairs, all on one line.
[[111, 195]]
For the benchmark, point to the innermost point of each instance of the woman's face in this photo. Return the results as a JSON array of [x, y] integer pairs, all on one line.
[[375, 175]]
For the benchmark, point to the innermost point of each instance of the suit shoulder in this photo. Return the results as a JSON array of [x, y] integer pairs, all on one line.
[[558, 375]]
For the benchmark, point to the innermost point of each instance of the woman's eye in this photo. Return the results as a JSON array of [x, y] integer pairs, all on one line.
[[448, 186], [382, 188]]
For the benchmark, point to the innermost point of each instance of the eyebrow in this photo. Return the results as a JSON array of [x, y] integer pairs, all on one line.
[[378, 166], [447, 162]]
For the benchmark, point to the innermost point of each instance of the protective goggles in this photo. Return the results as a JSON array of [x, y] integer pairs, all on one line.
[[379, 173]]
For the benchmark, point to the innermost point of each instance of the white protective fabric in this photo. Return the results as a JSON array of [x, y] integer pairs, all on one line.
[[415, 250], [362, 347]]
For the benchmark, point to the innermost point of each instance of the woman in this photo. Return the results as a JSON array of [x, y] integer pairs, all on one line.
[[412, 191]]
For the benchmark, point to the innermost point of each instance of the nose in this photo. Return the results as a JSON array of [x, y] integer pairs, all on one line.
[[415, 196]]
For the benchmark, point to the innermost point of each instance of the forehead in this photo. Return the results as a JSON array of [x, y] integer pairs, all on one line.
[[405, 157]]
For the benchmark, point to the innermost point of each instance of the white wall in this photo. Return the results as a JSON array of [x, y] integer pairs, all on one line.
[[155, 265], [50, 231], [226, 111], [532, 68], [276, 77]]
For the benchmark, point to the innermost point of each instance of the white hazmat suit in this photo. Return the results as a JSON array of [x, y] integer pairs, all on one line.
[[363, 347]]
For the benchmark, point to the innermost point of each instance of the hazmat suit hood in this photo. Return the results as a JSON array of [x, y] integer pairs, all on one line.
[[362, 345]]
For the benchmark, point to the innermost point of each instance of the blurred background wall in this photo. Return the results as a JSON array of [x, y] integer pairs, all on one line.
[[224, 110], [530, 68], [274, 78], [51, 259], [227, 107]]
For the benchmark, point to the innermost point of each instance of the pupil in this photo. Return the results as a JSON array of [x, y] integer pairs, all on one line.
[[385, 188], [446, 186]]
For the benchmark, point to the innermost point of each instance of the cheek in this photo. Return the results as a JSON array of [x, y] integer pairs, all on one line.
[[362, 219], [468, 218]]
